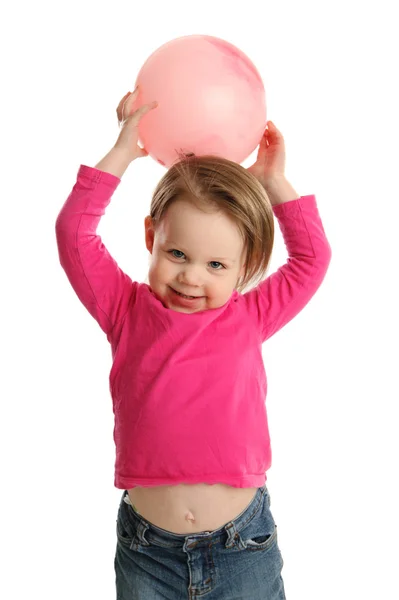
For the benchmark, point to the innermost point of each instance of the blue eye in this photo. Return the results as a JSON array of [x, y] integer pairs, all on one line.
[[215, 262], [171, 251]]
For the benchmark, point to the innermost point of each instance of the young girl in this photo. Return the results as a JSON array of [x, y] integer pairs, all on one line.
[[188, 383]]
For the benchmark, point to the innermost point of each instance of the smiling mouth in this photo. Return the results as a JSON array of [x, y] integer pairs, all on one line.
[[185, 296]]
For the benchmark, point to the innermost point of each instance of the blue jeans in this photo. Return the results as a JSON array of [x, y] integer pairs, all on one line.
[[239, 561]]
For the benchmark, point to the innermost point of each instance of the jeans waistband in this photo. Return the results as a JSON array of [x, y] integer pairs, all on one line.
[[148, 532]]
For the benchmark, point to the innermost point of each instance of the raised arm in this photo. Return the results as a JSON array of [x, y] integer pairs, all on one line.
[[102, 287], [282, 295]]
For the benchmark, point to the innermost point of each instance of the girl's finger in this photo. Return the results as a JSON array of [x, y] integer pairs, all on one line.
[[264, 139], [140, 112], [120, 106], [135, 91], [130, 100], [129, 97], [142, 151], [273, 131]]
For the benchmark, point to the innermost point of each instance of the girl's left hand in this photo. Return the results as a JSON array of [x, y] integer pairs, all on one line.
[[270, 162], [128, 120]]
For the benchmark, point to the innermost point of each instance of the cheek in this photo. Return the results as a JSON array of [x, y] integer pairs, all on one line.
[[162, 270]]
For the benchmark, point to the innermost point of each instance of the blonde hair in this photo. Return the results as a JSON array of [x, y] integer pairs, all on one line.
[[217, 184]]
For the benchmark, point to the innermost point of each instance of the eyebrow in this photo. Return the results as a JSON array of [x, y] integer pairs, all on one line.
[[216, 258]]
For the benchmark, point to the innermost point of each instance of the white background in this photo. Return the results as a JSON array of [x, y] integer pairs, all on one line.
[[330, 75]]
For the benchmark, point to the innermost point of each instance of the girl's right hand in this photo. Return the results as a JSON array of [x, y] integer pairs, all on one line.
[[128, 122]]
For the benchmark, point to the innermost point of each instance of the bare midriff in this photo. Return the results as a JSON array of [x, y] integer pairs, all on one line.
[[190, 508]]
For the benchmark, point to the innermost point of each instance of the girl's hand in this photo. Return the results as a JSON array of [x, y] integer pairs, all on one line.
[[270, 162], [128, 122]]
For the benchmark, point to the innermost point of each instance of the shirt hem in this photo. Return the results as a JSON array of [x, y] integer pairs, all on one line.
[[239, 481]]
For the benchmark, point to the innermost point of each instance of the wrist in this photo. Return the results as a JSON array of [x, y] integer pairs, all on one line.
[[279, 190], [115, 162]]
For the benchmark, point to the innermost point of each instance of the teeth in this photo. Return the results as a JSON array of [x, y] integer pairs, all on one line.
[[184, 296]]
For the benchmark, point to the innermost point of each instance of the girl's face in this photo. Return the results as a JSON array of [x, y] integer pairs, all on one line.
[[196, 254]]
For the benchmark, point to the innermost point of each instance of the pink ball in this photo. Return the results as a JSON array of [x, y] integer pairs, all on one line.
[[211, 100]]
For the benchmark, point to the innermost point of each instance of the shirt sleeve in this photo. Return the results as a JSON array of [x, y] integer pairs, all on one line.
[[102, 287], [282, 295]]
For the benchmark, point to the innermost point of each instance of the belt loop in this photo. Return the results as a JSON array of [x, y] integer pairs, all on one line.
[[140, 532], [233, 537]]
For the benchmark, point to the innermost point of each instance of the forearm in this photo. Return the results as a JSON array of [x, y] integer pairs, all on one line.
[[115, 162], [279, 190]]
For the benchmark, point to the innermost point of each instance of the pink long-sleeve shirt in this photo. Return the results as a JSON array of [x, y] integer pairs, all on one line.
[[188, 390]]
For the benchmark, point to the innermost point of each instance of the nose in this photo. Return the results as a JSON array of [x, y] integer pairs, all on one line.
[[190, 276]]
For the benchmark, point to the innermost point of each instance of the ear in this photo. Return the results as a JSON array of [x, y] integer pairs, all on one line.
[[149, 233]]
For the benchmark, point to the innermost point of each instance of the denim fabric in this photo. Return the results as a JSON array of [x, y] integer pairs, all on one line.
[[239, 561]]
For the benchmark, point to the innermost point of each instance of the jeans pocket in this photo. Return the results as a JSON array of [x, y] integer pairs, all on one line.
[[262, 541], [261, 531], [125, 529], [122, 534]]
